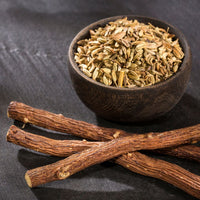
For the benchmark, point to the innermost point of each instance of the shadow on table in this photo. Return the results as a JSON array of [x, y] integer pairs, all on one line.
[[106, 170], [185, 113], [53, 193]]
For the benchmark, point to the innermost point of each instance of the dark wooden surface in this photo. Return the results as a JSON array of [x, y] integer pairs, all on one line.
[[34, 38]]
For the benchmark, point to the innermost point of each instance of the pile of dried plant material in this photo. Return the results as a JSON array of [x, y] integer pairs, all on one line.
[[127, 53]]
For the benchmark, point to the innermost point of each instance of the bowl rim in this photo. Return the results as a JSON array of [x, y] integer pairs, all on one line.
[[182, 39]]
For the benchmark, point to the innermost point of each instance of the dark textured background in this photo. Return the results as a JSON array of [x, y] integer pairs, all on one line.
[[34, 38]]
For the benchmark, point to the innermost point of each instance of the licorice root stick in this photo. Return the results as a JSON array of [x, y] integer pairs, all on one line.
[[105, 151], [134, 161], [58, 122]]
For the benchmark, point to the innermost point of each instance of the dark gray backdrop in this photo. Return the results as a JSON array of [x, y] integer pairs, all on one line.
[[34, 38]]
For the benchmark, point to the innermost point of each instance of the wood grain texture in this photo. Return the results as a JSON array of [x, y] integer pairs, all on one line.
[[58, 122], [136, 167], [130, 104], [163, 170], [134, 161], [140, 163], [108, 150], [64, 148], [191, 152], [61, 148]]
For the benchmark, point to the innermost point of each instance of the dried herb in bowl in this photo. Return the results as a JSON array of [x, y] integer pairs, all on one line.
[[127, 53]]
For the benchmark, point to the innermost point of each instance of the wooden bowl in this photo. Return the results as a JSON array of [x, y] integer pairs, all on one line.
[[130, 104]]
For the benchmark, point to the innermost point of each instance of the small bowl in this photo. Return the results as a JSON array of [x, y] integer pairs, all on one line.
[[130, 104]]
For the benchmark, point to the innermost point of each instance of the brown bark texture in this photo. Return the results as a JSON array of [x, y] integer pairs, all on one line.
[[108, 150], [191, 152], [58, 122], [140, 164], [163, 170], [64, 148], [60, 148]]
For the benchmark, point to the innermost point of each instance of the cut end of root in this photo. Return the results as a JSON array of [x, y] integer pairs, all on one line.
[[8, 113], [7, 136], [28, 180], [12, 130], [10, 105]]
